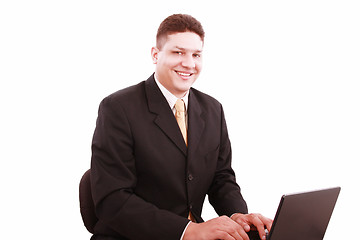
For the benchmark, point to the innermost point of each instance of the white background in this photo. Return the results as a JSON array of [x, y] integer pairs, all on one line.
[[287, 73]]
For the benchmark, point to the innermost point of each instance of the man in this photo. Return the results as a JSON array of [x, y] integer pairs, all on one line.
[[160, 146]]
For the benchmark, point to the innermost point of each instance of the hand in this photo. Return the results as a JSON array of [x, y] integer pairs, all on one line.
[[253, 221], [218, 228]]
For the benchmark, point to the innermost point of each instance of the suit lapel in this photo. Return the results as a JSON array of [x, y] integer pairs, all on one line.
[[196, 121], [165, 118]]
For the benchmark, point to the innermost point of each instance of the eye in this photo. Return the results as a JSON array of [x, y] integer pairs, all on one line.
[[178, 53], [197, 55]]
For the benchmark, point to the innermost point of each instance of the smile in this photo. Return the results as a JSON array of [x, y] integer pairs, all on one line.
[[183, 74]]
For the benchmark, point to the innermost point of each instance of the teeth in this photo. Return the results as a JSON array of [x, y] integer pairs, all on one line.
[[184, 74]]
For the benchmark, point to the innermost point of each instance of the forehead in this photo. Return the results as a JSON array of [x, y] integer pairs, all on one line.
[[184, 40]]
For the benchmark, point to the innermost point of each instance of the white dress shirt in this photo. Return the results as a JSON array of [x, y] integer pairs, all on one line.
[[171, 99]]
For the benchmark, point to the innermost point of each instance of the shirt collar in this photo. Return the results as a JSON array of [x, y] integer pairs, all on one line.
[[171, 98]]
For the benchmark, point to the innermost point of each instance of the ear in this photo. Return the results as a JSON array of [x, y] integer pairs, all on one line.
[[155, 54]]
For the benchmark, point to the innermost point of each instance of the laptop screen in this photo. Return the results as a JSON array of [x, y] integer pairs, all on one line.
[[304, 215]]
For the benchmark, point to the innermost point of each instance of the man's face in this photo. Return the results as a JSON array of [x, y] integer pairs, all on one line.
[[178, 62]]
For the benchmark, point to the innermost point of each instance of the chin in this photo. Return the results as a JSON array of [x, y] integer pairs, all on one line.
[[185, 85]]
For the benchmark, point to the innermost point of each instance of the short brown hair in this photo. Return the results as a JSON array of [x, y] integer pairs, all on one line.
[[178, 23]]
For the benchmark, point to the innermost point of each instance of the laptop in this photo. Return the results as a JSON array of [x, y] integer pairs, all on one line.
[[302, 216]]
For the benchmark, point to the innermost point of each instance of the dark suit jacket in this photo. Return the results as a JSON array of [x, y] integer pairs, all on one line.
[[144, 178]]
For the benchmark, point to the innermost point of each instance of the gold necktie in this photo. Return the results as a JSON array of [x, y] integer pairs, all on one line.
[[180, 118]]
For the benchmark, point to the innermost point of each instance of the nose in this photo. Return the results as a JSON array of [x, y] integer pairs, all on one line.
[[188, 62]]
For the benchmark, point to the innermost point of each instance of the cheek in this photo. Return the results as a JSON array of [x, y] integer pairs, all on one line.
[[171, 62], [198, 66]]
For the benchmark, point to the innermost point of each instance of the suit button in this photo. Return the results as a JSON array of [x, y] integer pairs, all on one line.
[[190, 177]]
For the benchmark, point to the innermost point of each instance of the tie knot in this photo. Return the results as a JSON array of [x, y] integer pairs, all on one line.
[[180, 105]]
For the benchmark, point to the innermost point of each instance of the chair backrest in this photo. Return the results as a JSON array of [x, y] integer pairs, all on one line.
[[87, 208]]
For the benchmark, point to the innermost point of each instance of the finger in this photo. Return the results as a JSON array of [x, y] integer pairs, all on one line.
[[256, 221], [238, 218], [236, 231], [225, 236], [268, 223], [246, 227], [230, 228], [243, 234], [239, 233]]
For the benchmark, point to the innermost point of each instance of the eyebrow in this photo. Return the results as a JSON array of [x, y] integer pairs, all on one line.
[[185, 49]]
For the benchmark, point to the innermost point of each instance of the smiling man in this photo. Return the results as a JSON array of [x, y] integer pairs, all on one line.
[[161, 146], [178, 61]]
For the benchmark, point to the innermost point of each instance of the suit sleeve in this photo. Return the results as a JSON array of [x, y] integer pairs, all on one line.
[[225, 194], [113, 179]]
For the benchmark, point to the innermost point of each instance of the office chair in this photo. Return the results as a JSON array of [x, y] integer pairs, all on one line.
[[87, 208]]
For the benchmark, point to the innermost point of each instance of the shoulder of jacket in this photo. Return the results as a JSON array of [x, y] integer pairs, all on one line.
[[126, 94]]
